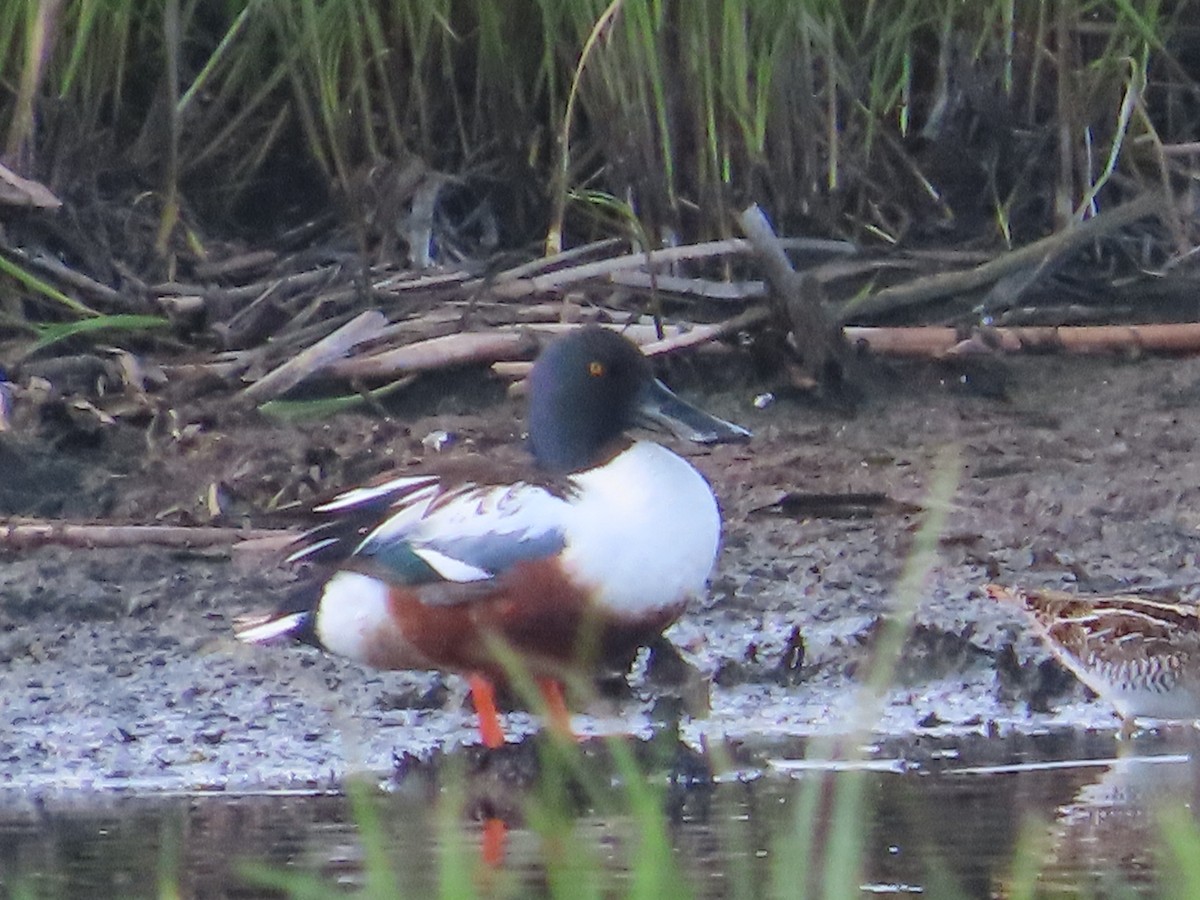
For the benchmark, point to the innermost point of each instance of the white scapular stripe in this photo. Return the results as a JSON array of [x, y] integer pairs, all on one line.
[[450, 568], [270, 630], [360, 495]]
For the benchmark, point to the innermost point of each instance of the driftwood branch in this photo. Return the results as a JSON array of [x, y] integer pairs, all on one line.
[[332, 347], [16, 190], [796, 299], [25, 535], [467, 348], [435, 320], [1040, 253], [702, 334], [933, 342], [936, 342], [619, 268], [602, 269]]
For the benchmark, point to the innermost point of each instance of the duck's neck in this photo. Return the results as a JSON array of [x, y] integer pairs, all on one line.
[[564, 440]]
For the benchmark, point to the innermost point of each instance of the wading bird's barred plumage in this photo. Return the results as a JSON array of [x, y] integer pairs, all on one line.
[[1139, 654]]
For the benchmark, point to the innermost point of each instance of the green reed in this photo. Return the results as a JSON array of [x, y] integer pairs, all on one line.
[[683, 110]]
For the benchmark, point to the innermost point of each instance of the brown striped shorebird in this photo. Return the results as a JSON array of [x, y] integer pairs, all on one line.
[[1139, 654]]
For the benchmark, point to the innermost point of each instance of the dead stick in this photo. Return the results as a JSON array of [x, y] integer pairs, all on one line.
[[604, 269], [235, 265], [60, 270], [16, 190], [692, 337], [637, 332], [333, 346], [462, 349], [702, 334], [937, 341], [796, 301], [1189, 148], [946, 284], [557, 260], [561, 278], [400, 282], [931, 342], [281, 286], [694, 288], [25, 535]]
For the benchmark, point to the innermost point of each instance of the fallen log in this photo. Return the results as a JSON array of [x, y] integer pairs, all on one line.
[[934, 342], [25, 535]]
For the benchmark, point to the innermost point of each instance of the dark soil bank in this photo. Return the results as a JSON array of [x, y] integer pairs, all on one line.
[[119, 667]]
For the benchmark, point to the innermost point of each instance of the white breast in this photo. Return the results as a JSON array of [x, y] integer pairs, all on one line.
[[643, 533]]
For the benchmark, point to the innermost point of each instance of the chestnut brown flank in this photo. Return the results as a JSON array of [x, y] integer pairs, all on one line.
[[533, 609]]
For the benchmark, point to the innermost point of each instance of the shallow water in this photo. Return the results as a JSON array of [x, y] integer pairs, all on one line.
[[134, 728], [943, 820]]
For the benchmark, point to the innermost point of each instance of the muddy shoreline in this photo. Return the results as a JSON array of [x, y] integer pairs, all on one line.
[[120, 671]]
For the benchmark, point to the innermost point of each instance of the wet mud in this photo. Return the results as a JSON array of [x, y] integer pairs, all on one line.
[[119, 669]]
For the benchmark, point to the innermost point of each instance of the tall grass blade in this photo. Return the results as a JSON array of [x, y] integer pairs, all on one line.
[[39, 31], [11, 269], [170, 858], [654, 867], [215, 59], [561, 184], [49, 335], [296, 885], [381, 880], [1180, 856], [822, 856], [456, 869]]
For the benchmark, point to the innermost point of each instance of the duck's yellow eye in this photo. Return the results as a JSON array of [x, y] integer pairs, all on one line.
[[595, 368]]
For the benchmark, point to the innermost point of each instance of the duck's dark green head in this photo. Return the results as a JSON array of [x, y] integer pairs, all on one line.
[[591, 385]]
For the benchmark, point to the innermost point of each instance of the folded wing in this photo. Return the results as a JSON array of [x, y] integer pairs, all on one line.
[[416, 530]]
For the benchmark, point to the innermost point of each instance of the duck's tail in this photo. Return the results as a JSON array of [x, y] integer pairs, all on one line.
[[295, 619]]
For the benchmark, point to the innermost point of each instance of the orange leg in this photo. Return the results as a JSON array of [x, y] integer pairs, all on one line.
[[556, 707], [483, 696]]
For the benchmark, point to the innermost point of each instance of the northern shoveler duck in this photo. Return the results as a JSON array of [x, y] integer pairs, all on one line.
[[579, 558]]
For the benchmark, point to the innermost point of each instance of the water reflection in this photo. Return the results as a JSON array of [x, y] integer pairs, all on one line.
[[944, 819], [1112, 826]]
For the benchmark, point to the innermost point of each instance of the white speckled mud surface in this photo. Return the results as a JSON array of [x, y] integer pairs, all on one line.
[[118, 668]]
